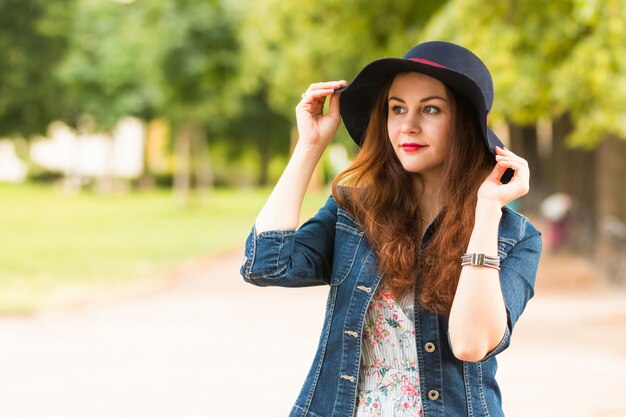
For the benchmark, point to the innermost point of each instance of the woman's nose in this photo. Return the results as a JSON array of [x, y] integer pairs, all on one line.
[[410, 125]]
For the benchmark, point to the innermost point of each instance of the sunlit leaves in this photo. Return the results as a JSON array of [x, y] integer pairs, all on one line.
[[548, 58], [288, 45], [164, 57], [29, 95], [591, 82]]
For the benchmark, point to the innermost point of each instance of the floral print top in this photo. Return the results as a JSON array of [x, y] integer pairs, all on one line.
[[388, 378]]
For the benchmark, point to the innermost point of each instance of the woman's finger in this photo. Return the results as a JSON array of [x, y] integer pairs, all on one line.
[[316, 93], [513, 159], [504, 151], [333, 106], [313, 94], [327, 85], [520, 170], [313, 101], [497, 172], [521, 176], [517, 161], [514, 163]]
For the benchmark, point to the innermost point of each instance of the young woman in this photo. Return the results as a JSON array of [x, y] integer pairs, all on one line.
[[427, 267]]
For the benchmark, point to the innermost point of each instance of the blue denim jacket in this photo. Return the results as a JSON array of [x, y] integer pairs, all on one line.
[[330, 249]]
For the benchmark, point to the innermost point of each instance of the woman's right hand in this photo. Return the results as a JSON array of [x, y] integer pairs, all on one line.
[[315, 128]]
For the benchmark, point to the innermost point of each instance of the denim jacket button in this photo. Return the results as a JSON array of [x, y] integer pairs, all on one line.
[[433, 394], [430, 347], [351, 333], [364, 288], [348, 377]]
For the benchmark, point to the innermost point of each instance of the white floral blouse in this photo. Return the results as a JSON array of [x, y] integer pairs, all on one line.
[[389, 383]]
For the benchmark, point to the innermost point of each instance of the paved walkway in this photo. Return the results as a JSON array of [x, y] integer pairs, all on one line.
[[206, 344]]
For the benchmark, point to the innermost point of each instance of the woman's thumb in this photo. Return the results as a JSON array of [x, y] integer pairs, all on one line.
[[333, 106]]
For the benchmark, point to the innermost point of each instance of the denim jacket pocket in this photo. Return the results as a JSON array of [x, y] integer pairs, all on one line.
[[347, 241]]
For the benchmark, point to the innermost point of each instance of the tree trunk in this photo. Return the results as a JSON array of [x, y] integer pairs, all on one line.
[[611, 208], [611, 176], [574, 170], [192, 162], [201, 163], [146, 181], [524, 143], [182, 163]]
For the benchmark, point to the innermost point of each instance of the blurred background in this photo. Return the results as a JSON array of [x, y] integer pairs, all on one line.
[[138, 136]]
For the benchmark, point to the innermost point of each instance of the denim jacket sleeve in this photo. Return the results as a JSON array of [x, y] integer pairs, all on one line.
[[518, 269], [291, 258]]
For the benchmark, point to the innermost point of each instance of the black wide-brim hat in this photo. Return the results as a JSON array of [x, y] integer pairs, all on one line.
[[453, 65]]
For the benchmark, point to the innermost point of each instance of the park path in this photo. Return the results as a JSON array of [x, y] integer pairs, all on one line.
[[203, 343]]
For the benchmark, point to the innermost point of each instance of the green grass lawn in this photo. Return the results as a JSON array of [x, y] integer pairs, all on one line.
[[57, 247]]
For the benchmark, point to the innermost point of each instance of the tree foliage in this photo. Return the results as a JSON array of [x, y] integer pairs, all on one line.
[[216, 61], [288, 45], [199, 60], [165, 57], [590, 84], [31, 46], [548, 58], [111, 68]]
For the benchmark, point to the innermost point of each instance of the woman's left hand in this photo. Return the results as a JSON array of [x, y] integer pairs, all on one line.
[[493, 190]]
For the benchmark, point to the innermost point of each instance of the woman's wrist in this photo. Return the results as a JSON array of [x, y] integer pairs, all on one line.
[[309, 149], [488, 209], [485, 232]]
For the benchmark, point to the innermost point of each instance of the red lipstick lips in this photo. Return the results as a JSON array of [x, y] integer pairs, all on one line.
[[411, 147]]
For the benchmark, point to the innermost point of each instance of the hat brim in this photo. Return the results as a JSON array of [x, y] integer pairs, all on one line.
[[358, 97]]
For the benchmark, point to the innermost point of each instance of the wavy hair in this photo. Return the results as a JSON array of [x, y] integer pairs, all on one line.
[[384, 199]]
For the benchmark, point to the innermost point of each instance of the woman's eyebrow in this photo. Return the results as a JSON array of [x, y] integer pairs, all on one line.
[[432, 98], [421, 101]]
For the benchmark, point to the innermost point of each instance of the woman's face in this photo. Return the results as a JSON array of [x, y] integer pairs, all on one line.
[[418, 122]]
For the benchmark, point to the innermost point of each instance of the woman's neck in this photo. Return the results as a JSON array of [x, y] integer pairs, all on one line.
[[430, 198]]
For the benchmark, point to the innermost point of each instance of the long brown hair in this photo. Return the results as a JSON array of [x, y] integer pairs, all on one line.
[[384, 199]]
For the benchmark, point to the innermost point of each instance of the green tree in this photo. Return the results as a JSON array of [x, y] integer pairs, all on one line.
[[288, 45], [31, 45], [596, 92], [112, 65], [165, 58], [548, 58], [520, 43], [198, 65]]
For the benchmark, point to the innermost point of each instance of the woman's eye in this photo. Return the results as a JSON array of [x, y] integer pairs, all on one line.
[[431, 110], [398, 110]]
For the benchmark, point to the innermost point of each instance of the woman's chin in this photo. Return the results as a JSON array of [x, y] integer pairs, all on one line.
[[412, 168]]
